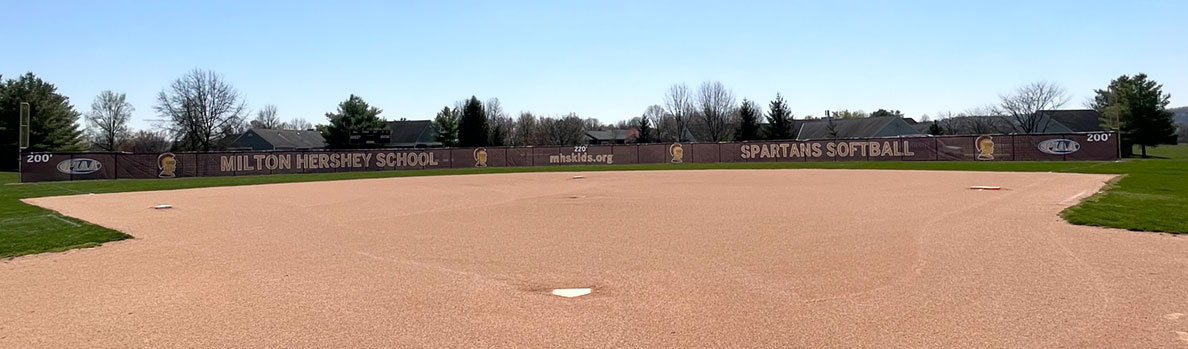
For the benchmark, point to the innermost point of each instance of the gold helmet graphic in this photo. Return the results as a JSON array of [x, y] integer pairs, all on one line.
[[985, 146], [166, 165], [677, 152], [480, 157]]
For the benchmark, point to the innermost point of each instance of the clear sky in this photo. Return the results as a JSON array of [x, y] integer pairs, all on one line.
[[604, 59]]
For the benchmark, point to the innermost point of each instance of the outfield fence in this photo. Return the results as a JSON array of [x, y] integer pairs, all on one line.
[[41, 166]]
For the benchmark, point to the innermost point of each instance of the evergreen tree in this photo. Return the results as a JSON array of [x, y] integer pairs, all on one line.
[[53, 122], [831, 127], [446, 125], [779, 119], [748, 121], [498, 134], [645, 130], [935, 129], [353, 115], [1137, 108], [472, 126]]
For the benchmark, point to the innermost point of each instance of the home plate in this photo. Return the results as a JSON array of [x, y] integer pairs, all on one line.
[[983, 187], [162, 206], [571, 292]]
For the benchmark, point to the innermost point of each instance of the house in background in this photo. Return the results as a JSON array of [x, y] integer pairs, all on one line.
[[921, 127], [273, 139], [413, 134], [879, 126], [1074, 120], [1050, 121]]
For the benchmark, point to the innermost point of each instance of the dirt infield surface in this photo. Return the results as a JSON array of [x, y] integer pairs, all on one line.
[[766, 258]]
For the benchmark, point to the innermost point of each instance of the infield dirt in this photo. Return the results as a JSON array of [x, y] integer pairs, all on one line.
[[755, 258]]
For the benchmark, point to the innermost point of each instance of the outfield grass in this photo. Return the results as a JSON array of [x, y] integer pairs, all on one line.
[[1153, 196]]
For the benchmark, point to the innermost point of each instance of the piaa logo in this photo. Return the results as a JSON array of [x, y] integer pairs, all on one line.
[[79, 166], [1059, 146]]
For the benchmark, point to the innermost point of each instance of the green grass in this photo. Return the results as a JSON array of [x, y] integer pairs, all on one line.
[[1153, 196]]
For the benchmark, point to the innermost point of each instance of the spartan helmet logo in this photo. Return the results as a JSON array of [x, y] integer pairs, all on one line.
[[480, 157], [166, 165], [677, 152], [985, 146]]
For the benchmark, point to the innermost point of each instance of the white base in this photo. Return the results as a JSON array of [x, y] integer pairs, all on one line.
[[571, 292]]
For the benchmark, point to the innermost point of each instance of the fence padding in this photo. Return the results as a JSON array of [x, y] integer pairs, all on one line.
[[42, 167]]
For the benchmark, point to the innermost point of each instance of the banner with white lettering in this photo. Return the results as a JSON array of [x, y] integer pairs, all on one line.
[[41, 167]]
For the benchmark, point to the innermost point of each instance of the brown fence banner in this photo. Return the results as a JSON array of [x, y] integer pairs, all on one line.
[[656, 153], [519, 156], [1083, 146], [574, 155], [45, 167]]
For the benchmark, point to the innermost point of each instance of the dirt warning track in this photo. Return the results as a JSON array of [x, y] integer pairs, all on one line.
[[756, 258]]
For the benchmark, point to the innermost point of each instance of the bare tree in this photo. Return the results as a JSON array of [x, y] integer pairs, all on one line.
[[459, 105], [501, 126], [679, 103], [974, 121], [527, 130], [493, 108], [201, 109], [715, 106], [298, 124], [846, 114], [108, 120], [947, 122], [1024, 106], [664, 124], [592, 124], [987, 119], [149, 141], [267, 118], [567, 130], [945, 115]]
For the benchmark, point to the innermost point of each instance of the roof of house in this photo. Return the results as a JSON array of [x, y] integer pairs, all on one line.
[[411, 133], [290, 139], [1181, 114], [1076, 120], [922, 127], [852, 128]]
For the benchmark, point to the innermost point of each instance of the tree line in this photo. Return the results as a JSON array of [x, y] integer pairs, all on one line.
[[201, 111], [1134, 106], [198, 111]]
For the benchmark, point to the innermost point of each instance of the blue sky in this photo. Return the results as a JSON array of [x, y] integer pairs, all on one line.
[[604, 59]]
